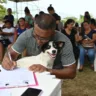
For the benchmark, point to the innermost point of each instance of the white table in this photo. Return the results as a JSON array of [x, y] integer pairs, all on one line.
[[48, 83]]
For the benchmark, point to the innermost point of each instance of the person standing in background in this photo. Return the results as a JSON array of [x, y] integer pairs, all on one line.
[[60, 24], [28, 17], [55, 15], [9, 17], [87, 14], [93, 24]]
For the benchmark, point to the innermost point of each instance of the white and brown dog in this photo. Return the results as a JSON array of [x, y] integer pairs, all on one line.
[[45, 58]]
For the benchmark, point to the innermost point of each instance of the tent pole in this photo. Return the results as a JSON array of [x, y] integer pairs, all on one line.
[[16, 9]]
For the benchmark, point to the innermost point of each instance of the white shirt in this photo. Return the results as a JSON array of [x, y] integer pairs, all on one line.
[[9, 30]]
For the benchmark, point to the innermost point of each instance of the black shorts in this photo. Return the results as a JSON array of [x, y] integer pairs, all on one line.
[[5, 42]]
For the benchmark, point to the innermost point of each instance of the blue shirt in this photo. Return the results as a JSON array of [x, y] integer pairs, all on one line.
[[19, 31]]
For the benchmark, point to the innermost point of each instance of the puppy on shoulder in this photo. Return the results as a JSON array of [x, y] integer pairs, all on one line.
[[45, 58]]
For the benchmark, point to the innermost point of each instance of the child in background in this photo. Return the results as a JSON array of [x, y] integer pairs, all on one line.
[[7, 33]]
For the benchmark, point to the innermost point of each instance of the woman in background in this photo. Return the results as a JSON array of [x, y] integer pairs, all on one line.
[[28, 17], [71, 33], [87, 45], [20, 29]]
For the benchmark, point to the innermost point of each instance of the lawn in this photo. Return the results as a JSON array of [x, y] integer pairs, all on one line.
[[84, 84]]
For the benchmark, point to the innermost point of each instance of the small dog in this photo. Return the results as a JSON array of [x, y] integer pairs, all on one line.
[[45, 58]]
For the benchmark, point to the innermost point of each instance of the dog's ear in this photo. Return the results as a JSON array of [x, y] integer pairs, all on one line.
[[60, 44]]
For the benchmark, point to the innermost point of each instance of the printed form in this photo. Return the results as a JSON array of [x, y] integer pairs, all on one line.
[[19, 77]]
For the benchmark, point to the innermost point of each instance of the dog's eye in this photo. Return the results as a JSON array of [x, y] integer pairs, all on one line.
[[54, 45], [48, 47]]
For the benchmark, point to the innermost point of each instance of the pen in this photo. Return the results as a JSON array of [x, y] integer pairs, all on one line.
[[9, 56]]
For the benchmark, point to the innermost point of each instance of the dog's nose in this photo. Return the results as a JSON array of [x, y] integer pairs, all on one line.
[[53, 51]]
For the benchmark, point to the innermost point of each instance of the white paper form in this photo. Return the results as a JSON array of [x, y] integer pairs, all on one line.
[[19, 77], [5, 92]]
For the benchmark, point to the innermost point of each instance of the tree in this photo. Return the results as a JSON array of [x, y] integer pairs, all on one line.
[[66, 18], [2, 12], [81, 19], [3, 1]]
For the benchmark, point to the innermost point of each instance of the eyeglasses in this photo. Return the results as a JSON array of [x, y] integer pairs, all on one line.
[[41, 38]]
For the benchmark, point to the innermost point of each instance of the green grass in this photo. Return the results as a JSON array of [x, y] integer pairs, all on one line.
[[84, 84]]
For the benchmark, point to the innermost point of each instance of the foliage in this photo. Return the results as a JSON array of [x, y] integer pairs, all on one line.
[[2, 12], [65, 19], [80, 20], [3, 1]]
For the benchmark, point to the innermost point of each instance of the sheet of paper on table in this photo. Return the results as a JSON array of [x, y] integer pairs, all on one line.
[[5, 92], [19, 77]]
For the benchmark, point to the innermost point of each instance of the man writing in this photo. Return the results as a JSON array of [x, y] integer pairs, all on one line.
[[32, 40]]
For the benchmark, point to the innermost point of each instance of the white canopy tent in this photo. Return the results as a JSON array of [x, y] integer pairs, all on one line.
[[21, 0], [17, 1]]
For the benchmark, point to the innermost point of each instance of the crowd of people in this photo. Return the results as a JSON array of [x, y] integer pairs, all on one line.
[[31, 33]]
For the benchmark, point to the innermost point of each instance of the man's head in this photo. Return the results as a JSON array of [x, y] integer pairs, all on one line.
[[26, 10], [87, 13], [93, 24], [41, 12], [9, 10], [51, 9], [44, 28]]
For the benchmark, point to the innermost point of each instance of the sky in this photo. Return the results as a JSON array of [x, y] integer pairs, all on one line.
[[63, 7]]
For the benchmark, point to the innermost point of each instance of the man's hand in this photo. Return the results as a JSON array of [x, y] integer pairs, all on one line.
[[7, 64], [37, 68]]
